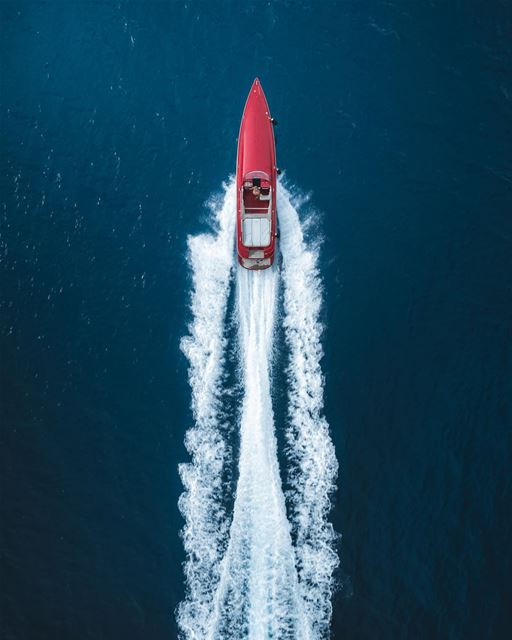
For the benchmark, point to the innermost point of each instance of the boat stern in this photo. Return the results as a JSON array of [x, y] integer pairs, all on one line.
[[254, 263]]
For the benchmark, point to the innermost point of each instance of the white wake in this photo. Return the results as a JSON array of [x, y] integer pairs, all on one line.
[[257, 573], [206, 525], [314, 467]]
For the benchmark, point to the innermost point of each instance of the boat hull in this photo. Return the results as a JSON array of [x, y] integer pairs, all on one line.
[[256, 170]]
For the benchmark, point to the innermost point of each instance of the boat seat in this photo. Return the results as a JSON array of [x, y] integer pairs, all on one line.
[[256, 232]]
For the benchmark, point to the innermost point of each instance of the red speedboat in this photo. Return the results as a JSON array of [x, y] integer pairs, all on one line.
[[256, 183]]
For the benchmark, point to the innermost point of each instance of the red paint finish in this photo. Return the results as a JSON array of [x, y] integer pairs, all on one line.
[[256, 153]]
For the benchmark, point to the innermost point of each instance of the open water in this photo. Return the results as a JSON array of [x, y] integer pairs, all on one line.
[[118, 125]]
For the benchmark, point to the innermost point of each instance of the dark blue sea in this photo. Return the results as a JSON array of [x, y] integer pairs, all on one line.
[[119, 121]]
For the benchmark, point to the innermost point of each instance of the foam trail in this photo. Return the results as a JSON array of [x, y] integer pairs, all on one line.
[[313, 460], [245, 577], [206, 526], [258, 595]]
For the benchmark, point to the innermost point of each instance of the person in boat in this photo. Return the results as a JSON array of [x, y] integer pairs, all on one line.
[[256, 191]]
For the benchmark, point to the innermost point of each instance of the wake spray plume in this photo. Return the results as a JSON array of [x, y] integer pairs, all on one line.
[[245, 576]]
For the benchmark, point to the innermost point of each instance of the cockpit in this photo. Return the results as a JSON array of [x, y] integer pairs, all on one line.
[[256, 204], [256, 191]]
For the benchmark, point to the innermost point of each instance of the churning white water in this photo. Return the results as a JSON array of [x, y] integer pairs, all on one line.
[[245, 577]]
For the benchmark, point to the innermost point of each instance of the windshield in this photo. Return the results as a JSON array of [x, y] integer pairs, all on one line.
[[261, 175]]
